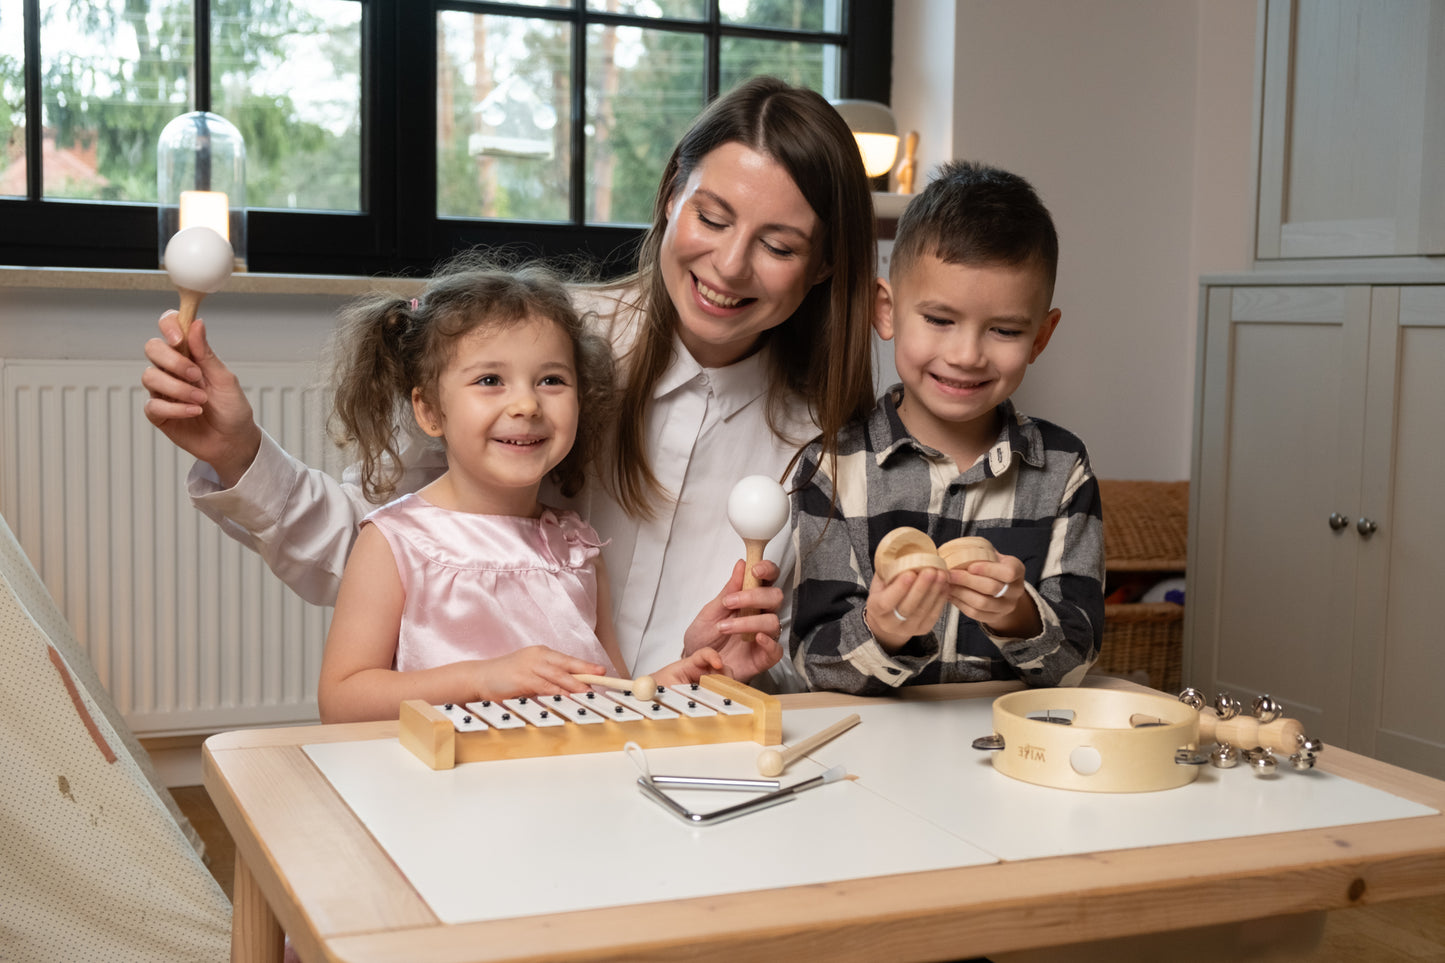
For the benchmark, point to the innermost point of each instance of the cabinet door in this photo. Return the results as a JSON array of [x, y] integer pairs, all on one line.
[[1399, 712], [1352, 129], [1279, 437]]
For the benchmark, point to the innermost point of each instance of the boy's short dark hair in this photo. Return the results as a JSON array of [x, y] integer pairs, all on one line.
[[975, 214]]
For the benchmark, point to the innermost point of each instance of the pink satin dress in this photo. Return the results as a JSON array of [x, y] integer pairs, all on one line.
[[482, 586]]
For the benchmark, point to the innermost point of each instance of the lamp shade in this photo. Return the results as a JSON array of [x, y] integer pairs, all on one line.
[[875, 130], [201, 181]]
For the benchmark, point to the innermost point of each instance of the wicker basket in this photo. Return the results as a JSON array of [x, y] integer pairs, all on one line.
[[1145, 531], [1146, 525], [1144, 637]]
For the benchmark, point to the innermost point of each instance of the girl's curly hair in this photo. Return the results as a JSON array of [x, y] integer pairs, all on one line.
[[386, 346]]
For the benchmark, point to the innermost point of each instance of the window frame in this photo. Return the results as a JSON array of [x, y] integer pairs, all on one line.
[[398, 232]]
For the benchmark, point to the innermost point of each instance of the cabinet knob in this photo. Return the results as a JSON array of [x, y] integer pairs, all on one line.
[[1338, 521], [1366, 527]]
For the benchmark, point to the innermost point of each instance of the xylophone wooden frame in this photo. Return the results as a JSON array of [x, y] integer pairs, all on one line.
[[430, 736]]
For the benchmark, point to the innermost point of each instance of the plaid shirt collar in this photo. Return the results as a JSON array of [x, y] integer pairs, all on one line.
[[890, 440]]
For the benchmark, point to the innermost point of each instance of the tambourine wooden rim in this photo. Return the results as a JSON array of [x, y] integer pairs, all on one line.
[[1101, 750]]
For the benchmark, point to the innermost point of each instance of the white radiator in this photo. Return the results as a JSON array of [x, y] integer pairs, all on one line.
[[188, 630]]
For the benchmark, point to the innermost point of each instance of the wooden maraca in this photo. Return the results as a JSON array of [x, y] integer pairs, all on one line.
[[199, 261], [758, 510]]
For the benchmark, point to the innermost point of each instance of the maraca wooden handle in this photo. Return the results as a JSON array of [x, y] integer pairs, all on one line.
[[190, 304], [752, 555]]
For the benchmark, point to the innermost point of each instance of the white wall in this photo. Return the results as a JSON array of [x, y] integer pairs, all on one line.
[[1133, 119]]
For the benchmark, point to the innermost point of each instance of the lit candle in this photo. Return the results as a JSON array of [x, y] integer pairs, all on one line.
[[206, 208]]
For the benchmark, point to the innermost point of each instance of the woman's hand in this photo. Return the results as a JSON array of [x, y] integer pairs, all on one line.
[[741, 625], [908, 606], [197, 402], [690, 668]]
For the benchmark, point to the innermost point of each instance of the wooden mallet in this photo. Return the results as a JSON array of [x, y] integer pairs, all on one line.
[[772, 762], [644, 687]]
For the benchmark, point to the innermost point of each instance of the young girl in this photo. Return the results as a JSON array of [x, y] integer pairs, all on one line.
[[471, 588]]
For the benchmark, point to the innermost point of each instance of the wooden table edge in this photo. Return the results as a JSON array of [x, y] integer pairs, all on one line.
[[1301, 871]]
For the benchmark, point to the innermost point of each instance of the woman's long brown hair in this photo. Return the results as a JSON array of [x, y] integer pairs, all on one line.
[[823, 353]]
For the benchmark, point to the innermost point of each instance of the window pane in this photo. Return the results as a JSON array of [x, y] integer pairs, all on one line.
[[793, 14], [643, 89], [293, 90], [810, 65], [503, 120], [676, 9], [12, 100], [113, 73]]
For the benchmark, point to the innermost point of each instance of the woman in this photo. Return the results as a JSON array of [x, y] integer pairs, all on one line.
[[744, 332]]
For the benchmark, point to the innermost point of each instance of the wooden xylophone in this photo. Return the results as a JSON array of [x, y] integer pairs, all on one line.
[[718, 709]]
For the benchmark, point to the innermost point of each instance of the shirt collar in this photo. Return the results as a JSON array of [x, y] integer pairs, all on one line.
[[733, 387], [1019, 435]]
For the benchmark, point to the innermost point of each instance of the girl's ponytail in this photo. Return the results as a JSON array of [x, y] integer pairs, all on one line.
[[371, 376]]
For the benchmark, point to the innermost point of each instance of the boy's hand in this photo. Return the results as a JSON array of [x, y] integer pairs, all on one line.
[[690, 669], [742, 627], [992, 594], [535, 670], [905, 607]]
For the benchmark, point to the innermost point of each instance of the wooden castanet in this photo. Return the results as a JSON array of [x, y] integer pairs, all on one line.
[[907, 549], [903, 550], [959, 552], [746, 715]]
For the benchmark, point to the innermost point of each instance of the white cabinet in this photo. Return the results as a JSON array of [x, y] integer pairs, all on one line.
[[1352, 129], [1317, 555]]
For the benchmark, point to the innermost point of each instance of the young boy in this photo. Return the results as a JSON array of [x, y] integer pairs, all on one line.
[[968, 310]]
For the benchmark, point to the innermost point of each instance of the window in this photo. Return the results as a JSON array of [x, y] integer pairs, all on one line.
[[382, 135]]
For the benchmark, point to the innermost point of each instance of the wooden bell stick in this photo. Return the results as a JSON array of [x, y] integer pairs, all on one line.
[[1281, 735], [771, 762], [644, 687]]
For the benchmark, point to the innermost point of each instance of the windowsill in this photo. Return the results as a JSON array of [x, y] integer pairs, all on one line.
[[243, 283]]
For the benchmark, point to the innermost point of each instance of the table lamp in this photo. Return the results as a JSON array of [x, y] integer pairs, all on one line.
[[876, 132]]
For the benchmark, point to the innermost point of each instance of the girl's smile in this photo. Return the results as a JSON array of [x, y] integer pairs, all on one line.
[[508, 412]]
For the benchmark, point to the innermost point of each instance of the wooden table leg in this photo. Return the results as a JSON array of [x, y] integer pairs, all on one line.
[[256, 936]]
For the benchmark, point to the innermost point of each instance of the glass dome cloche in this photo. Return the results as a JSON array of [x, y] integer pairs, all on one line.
[[201, 180]]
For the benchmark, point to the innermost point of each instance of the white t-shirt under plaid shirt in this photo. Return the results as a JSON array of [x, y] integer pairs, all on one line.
[[1033, 495]]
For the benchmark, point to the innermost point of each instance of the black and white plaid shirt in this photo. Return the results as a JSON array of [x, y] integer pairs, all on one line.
[[1033, 495]]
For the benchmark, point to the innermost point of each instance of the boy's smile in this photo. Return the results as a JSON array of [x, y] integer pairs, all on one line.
[[963, 338]]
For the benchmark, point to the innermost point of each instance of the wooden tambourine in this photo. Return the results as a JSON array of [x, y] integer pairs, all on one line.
[[1101, 745]]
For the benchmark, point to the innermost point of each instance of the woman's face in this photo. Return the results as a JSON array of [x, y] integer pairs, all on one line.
[[740, 252]]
